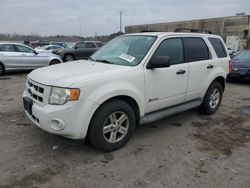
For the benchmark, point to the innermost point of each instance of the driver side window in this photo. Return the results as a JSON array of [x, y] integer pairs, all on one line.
[[172, 48], [24, 49]]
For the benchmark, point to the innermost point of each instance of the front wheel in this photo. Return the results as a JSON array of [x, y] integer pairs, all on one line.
[[212, 99], [69, 57], [112, 126], [1, 69], [54, 62]]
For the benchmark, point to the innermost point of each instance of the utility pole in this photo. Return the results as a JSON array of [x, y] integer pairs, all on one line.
[[120, 21], [80, 25]]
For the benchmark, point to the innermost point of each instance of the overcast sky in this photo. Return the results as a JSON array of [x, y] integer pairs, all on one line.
[[52, 17]]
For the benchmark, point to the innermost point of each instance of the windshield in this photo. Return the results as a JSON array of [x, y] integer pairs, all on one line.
[[125, 50], [243, 55]]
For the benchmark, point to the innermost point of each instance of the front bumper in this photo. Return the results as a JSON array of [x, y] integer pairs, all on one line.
[[74, 115]]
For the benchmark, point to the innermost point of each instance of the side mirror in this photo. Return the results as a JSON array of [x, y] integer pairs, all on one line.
[[35, 52], [159, 62], [76, 47]]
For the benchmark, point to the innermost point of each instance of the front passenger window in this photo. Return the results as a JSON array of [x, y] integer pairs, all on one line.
[[24, 49], [173, 49]]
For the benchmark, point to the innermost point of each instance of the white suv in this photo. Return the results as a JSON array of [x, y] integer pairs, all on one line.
[[134, 79]]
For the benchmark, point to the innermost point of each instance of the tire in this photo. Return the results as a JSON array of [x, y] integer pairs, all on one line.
[[107, 136], [54, 62], [1, 69], [69, 57], [212, 99]]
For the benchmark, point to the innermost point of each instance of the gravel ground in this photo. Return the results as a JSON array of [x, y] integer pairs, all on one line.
[[185, 150]]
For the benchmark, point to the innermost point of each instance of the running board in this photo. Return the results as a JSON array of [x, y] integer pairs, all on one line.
[[160, 114]]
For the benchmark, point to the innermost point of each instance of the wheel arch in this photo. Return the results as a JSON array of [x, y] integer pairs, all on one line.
[[68, 53], [221, 80], [3, 66], [54, 59], [128, 99]]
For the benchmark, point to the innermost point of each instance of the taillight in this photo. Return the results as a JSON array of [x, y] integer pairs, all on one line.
[[230, 66]]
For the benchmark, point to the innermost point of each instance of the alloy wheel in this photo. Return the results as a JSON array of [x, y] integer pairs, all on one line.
[[116, 127]]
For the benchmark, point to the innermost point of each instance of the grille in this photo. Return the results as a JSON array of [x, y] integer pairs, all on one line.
[[35, 91]]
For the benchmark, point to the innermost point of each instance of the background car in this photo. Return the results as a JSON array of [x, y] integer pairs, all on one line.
[[81, 50], [15, 57], [240, 65], [47, 49], [62, 44]]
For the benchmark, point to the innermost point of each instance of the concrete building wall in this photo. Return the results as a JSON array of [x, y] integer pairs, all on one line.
[[225, 26]]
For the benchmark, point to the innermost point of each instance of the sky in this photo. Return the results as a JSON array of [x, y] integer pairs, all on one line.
[[101, 17]]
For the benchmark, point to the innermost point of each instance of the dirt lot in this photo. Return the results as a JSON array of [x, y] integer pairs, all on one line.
[[186, 150]]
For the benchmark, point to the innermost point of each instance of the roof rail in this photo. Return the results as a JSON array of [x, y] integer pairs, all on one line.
[[145, 31], [192, 30]]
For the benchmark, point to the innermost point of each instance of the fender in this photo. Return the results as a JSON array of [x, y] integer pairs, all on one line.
[[218, 73], [119, 88]]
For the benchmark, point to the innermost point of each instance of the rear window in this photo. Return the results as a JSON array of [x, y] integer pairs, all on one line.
[[218, 47], [196, 49]]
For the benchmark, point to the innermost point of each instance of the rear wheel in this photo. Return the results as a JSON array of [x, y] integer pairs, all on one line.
[[54, 62], [212, 99], [69, 57], [1, 69], [112, 126]]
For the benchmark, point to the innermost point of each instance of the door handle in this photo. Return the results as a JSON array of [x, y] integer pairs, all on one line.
[[24, 55], [210, 66], [180, 72]]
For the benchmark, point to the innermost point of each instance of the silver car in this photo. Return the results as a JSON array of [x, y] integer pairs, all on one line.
[[15, 57]]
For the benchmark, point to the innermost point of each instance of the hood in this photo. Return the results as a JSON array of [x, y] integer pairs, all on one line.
[[66, 74]]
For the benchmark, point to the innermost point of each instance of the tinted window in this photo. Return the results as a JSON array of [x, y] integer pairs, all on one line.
[[7, 48], [218, 47], [24, 49], [196, 49], [173, 49], [99, 44], [81, 45], [53, 47], [90, 45]]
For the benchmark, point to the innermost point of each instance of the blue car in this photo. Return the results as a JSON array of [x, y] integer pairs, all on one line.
[[240, 65]]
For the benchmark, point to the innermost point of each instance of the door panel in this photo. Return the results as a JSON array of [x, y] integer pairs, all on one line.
[[165, 87], [11, 60], [198, 56], [31, 60], [198, 75], [9, 56]]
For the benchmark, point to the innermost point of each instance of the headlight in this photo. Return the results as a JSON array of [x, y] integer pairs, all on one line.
[[59, 96]]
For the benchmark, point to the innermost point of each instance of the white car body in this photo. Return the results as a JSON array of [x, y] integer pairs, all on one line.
[[150, 89], [47, 48]]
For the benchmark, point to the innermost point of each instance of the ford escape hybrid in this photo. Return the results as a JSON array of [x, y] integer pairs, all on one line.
[[134, 79]]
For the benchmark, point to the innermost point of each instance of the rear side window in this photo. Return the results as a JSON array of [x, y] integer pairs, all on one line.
[[7, 48], [195, 49], [173, 49], [218, 47], [81, 45]]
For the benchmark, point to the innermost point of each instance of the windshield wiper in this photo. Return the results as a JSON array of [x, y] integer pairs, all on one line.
[[103, 61]]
